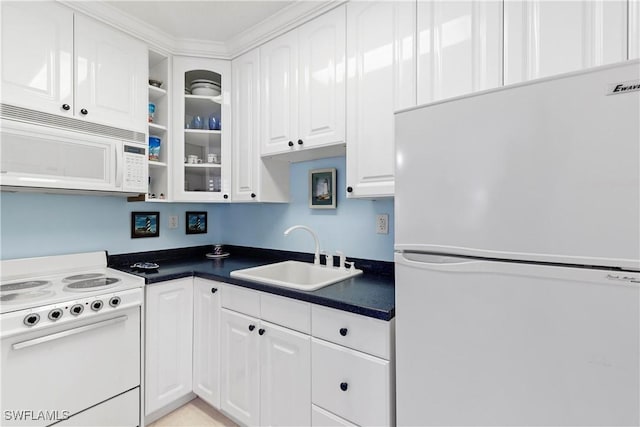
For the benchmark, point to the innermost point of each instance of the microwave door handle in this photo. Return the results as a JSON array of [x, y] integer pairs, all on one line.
[[69, 332], [119, 160]]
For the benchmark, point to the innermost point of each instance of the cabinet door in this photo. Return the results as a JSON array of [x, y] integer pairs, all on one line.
[[279, 93], [381, 78], [196, 136], [240, 381], [459, 48], [246, 128], [168, 346], [206, 341], [37, 56], [111, 76], [322, 80], [285, 377], [543, 38]]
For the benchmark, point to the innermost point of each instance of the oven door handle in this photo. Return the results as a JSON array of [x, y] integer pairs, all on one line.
[[69, 332]]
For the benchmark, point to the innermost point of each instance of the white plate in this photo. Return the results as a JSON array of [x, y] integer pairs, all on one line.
[[205, 81], [205, 91]]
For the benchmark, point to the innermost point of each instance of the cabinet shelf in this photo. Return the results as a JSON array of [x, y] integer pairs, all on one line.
[[155, 93], [154, 164], [157, 128], [203, 165], [203, 99], [203, 131]]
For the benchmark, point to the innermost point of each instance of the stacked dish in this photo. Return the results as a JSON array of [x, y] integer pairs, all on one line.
[[205, 87]]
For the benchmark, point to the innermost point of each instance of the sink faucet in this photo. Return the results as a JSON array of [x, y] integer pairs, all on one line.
[[316, 255]]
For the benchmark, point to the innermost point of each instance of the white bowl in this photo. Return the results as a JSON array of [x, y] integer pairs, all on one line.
[[205, 91], [201, 80], [205, 81]]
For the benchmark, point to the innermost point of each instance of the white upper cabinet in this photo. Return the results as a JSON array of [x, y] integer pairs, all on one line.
[[37, 56], [321, 80], [459, 48], [111, 75], [83, 69], [254, 178], [302, 90], [201, 129], [246, 126], [544, 38], [381, 78], [279, 60]]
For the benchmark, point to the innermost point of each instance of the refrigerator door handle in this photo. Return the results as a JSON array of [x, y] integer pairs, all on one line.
[[437, 262]]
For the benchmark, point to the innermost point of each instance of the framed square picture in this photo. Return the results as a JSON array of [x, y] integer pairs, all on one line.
[[322, 188], [196, 222], [145, 224]]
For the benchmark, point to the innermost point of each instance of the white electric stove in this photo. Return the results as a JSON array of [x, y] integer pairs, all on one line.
[[71, 342]]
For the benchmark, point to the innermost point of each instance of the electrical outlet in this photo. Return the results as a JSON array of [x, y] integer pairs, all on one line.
[[173, 221], [382, 224]]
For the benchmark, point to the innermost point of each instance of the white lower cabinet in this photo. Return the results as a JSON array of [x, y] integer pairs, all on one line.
[[168, 345], [206, 340], [265, 368], [351, 384], [265, 360], [320, 417], [285, 380], [353, 375], [240, 381]]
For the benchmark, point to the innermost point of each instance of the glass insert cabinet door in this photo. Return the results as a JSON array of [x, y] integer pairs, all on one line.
[[202, 130]]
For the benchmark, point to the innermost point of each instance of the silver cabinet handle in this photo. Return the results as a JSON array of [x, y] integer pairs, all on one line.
[[69, 332]]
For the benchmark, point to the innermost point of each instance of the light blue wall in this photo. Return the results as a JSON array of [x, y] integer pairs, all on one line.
[[45, 224], [349, 228], [48, 224]]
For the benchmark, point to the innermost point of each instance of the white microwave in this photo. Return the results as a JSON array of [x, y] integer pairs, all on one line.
[[45, 157]]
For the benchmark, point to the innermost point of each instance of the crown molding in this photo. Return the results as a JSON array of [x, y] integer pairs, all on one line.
[[281, 22], [284, 20], [116, 18]]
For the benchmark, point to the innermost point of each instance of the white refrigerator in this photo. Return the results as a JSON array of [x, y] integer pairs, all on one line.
[[517, 240]]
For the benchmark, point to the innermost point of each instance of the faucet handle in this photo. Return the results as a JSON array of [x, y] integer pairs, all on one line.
[[342, 259], [328, 258]]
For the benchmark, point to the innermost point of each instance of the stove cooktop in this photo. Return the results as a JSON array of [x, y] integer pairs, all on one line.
[[33, 282]]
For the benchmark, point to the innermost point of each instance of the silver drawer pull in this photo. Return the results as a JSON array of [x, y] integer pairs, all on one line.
[[69, 332]]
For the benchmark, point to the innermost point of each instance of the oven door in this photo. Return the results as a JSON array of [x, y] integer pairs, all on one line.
[[55, 373]]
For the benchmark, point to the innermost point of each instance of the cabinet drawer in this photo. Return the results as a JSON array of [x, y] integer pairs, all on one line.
[[241, 300], [322, 418], [350, 384], [362, 333], [286, 312]]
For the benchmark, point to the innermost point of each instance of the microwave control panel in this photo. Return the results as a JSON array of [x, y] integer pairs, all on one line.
[[135, 169]]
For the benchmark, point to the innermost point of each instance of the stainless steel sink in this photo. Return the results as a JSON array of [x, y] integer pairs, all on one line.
[[296, 275]]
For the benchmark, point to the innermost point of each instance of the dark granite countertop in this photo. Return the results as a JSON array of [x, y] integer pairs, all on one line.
[[370, 294]]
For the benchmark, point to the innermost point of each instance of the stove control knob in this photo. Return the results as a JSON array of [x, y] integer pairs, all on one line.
[[31, 319], [96, 305], [76, 309], [55, 314], [114, 301]]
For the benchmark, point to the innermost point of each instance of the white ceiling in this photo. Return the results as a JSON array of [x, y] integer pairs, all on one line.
[[212, 20]]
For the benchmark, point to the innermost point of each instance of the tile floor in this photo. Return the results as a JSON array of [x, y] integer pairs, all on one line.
[[194, 414]]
